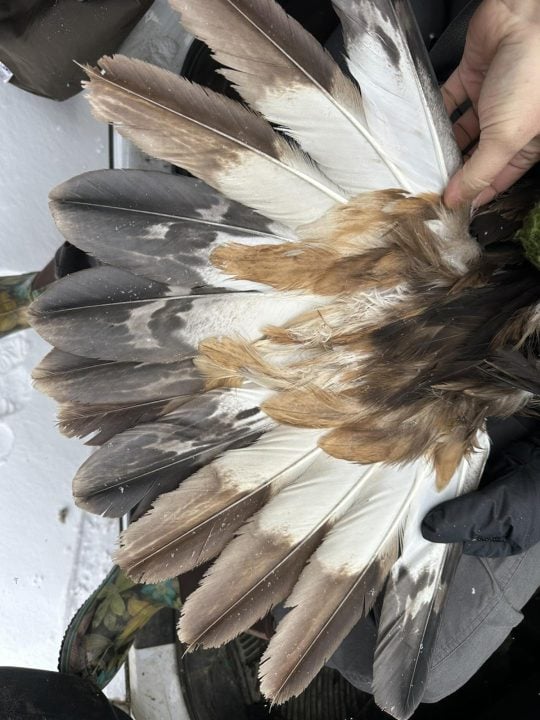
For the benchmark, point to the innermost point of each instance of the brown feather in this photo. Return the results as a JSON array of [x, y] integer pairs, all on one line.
[[447, 458], [215, 138], [299, 649], [187, 519], [372, 446], [236, 593]]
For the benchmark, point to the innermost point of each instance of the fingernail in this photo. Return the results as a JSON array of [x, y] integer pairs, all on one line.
[[484, 197]]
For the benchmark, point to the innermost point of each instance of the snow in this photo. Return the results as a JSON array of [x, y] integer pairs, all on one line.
[[53, 555]]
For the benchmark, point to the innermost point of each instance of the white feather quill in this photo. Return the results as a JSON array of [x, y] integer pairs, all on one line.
[[402, 103], [415, 595], [283, 72]]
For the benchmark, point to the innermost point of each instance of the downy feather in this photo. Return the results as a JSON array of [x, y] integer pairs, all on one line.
[[213, 137]]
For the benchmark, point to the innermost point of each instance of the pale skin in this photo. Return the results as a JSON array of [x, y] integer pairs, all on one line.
[[499, 74]]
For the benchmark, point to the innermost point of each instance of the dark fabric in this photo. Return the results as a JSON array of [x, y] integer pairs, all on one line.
[[473, 650], [502, 517], [432, 18], [42, 695], [40, 40], [446, 52], [11, 8]]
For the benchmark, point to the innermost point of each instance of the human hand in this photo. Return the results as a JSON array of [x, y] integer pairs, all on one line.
[[502, 518], [500, 74]]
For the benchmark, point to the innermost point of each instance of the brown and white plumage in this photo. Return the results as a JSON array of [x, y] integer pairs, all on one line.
[[294, 358]]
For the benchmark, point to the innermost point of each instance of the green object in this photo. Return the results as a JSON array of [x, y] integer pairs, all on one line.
[[16, 294], [102, 631], [529, 236]]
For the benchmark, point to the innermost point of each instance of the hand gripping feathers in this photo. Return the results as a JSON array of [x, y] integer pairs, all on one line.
[[294, 354]]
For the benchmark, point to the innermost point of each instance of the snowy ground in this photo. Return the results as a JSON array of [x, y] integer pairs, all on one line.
[[52, 554], [44, 538]]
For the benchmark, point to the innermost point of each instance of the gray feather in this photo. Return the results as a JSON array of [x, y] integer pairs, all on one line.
[[103, 398], [154, 458], [110, 314], [157, 225], [74, 379]]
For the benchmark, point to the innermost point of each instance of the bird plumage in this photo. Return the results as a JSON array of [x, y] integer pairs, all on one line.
[[293, 359]]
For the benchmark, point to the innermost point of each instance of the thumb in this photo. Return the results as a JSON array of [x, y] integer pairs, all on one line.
[[485, 164], [471, 520], [452, 521]]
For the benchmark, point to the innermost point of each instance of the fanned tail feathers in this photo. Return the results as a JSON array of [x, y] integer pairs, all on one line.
[[290, 359]]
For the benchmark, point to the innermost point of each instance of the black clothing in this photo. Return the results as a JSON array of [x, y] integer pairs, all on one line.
[[42, 695], [502, 517], [40, 39]]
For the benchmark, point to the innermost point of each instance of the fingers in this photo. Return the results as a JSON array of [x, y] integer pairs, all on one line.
[[491, 169], [497, 75], [476, 175], [470, 520], [501, 519], [516, 168], [466, 129], [453, 92], [452, 521]]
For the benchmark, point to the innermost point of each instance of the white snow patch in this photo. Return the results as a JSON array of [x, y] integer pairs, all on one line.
[[48, 566]]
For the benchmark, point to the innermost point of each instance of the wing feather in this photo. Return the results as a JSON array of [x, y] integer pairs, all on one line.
[[213, 137], [402, 102], [341, 581], [194, 523], [259, 568], [415, 595], [164, 227], [110, 314], [284, 73], [152, 458]]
